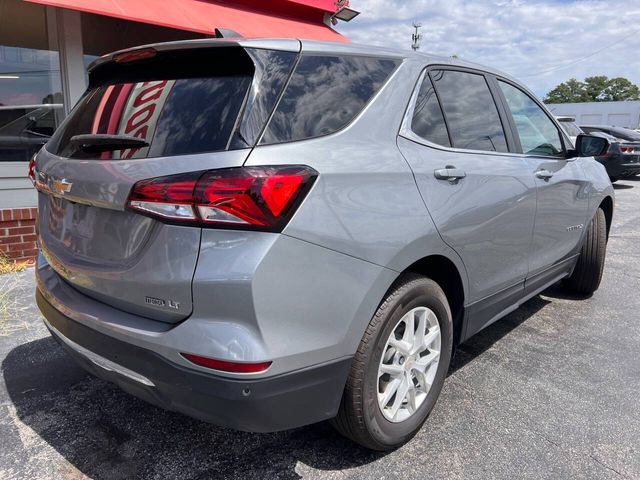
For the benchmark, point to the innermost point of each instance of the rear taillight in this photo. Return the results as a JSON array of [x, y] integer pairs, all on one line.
[[627, 150], [226, 366], [244, 197], [32, 170]]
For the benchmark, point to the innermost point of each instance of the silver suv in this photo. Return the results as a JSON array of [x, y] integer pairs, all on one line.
[[264, 234]]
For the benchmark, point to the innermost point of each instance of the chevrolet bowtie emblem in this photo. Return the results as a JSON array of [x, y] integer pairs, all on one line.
[[62, 186]]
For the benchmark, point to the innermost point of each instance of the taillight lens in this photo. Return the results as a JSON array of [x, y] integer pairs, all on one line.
[[32, 170], [243, 197], [627, 150], [226, 366]]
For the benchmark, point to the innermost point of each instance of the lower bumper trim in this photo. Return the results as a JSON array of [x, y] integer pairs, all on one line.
[[101, 362]]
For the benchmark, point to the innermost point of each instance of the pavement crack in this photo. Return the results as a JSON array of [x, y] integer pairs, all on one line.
[[594, 458]]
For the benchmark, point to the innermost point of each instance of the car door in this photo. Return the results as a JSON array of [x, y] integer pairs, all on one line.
[[563, 199], [482, 198]]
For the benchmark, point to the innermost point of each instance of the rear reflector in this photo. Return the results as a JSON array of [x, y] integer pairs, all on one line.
[[262, 198], [226, 366]]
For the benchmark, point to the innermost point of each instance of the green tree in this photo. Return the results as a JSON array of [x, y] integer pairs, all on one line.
[[621, 89], [598, 88], [567, 92], [594, 87]]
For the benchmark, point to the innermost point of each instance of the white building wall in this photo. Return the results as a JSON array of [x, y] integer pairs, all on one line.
[[617, 114]]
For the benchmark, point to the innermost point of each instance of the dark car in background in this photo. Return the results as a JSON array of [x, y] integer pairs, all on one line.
[[623, 157], [25, 129]]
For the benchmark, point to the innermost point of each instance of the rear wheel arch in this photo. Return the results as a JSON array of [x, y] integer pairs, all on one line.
[[446, 274], [607, 207]]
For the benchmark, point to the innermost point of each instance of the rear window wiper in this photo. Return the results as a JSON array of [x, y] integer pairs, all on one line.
[[100, 142]]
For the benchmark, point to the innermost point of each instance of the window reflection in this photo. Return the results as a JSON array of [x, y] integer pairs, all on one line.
[[538, 134], [324, 94], [174, 117], [471, 113], [30, 100], [428, 121]]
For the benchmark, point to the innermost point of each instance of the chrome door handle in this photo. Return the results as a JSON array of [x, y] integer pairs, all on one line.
[[450, 173], [544, 174]]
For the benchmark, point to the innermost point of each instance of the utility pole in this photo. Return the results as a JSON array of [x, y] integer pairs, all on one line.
[[416, 37]]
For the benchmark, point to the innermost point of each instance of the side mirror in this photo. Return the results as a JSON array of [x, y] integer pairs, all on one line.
[[591, 146]]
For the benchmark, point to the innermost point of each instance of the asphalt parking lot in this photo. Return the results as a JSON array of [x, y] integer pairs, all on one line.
[[551, 391]]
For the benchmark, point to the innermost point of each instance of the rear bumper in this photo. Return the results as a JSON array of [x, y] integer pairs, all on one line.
[[259, 405]]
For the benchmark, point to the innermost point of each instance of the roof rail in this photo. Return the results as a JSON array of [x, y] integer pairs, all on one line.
[[226, 33]]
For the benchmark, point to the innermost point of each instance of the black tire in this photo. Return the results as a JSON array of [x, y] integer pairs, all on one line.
[[587, 273], [360, 417]]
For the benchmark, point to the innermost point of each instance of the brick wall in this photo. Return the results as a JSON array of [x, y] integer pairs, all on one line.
[[18, 233]]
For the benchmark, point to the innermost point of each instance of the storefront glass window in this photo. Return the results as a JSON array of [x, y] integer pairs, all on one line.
[[30, 87]]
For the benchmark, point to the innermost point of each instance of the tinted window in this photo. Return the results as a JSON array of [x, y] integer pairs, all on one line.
[[471, 113], [538, 134], [427, 120], [272, 69], [324, 94], [178, 103]]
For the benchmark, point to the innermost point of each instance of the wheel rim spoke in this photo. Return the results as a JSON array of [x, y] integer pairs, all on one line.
[[409, 363], [391, 388], [400, 345], [421, 330], [424, 362], [432, 335], [424, 384], [412, 404], [391, 369], [401, 395]]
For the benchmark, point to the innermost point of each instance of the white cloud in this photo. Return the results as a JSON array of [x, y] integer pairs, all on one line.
[[536, 41]]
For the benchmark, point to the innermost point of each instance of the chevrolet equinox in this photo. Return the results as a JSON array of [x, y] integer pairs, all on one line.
[[265, 233]]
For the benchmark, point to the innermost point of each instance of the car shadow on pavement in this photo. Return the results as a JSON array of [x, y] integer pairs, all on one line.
[[106, 433], [483, 340], [621, 186]]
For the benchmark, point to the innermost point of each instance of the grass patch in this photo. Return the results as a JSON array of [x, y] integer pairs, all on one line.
[[8, 265], [9, 291]]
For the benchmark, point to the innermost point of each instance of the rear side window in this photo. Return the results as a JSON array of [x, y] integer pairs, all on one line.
[[180, 103], [325, 94], [428, 121], [538, 134], [470, 111]]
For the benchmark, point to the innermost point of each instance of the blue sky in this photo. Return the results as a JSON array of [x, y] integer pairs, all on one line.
[[541, 42]]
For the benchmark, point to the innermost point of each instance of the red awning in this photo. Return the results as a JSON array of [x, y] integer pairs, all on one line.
[[204, 16]]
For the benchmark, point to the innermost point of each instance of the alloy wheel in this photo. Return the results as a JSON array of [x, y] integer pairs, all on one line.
[[409, 364]]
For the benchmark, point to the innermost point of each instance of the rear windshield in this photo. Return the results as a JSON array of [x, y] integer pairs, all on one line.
[[179, 103]]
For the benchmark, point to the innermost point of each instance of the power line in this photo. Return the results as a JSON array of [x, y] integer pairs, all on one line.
[[560, 67]]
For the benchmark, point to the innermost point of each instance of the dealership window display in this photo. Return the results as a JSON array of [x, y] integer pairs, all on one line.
[[31, 104]]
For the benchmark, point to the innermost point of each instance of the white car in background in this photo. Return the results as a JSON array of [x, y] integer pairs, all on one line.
[[569, 125]]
